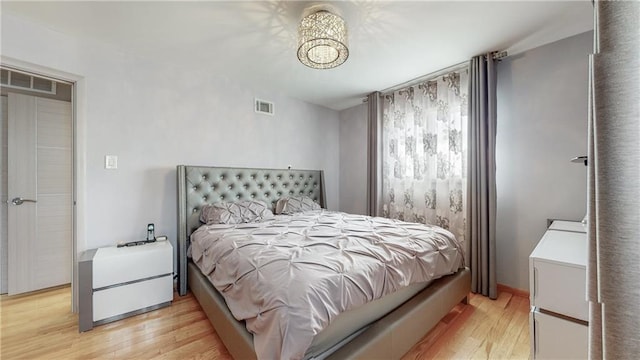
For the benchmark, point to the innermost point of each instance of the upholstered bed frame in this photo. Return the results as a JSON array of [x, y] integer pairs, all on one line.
[[388, 338]]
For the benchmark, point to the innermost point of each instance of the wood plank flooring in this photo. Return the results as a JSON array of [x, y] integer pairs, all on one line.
[[41, 326], [484, 329]]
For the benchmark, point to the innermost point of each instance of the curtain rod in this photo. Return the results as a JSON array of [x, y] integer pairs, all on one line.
[[497, 55], [425, 77]]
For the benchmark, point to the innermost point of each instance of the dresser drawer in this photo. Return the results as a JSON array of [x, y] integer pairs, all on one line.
[[557, 338], [560, 288], [123, 299]]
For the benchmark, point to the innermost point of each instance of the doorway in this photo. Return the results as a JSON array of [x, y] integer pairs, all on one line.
[[37, 182]]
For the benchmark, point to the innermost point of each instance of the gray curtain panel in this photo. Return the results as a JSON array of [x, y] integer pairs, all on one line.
[[481, 179], [614, 183], [373, 154], [595, 310]]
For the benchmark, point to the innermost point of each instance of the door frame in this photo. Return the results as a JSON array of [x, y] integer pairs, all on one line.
[[78, 109]]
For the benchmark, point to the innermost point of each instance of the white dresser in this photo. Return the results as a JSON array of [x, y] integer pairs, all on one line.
[[557, 280], [119, 282]]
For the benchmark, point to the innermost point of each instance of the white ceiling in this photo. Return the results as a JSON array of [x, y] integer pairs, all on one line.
[[254, 42]]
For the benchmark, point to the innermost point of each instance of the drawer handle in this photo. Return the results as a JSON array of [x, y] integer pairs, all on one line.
[[131, 282]]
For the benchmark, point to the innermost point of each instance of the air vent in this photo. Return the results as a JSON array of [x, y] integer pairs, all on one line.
[[18, 80], [264, 107]]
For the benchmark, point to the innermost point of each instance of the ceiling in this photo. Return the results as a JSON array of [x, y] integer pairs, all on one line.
[[254, 42]]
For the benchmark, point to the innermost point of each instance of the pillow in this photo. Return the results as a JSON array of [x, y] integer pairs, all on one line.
[[294, 204], [244, 211]]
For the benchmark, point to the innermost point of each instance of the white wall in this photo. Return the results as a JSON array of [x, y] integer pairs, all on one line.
[[154, 116], [353, 160], [542, 123]]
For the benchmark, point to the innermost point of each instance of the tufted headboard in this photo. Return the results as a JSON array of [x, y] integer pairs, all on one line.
[[201, 185]]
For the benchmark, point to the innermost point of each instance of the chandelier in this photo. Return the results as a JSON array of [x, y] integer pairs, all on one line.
[[322, 40]]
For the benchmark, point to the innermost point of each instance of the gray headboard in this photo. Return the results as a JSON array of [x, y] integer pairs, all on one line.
[[202, 185]]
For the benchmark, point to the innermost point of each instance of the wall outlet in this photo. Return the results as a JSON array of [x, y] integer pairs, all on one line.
[[110, 162]]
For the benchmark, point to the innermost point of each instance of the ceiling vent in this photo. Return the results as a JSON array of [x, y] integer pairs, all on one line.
[[263, 107], [18, 80]]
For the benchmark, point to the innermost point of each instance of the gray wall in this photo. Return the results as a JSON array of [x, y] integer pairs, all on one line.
[[542, 123], [353, 160], [154, 116]]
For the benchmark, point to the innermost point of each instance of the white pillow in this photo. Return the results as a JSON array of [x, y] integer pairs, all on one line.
[[294, 204], [243, 211]]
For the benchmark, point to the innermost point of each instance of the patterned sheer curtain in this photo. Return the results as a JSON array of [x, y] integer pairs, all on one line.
[[424, 153]]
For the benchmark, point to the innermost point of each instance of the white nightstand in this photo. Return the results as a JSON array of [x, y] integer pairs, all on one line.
[[557, 280], [118, 282]]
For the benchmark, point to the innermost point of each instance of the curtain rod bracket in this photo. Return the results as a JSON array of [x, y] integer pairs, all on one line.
[[499, 55]]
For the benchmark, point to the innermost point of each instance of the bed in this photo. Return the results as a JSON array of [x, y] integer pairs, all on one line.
[[385, 328]]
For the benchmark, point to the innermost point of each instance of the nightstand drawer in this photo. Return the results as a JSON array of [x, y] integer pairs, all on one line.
[[560, 288], [123, 299], [557, 338], [113, 265]]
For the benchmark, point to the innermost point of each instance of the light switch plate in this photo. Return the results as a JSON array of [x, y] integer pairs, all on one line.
[[110, 162]]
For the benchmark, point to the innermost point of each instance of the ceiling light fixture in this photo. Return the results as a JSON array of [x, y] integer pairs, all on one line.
[[322, 40]]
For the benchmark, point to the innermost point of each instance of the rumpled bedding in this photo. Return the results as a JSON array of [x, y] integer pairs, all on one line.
[[287, 277]]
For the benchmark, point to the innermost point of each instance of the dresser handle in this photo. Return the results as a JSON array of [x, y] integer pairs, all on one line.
[[536, 338], [535, 282]]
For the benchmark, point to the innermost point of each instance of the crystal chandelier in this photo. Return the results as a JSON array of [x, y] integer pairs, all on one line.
[[322, 40]]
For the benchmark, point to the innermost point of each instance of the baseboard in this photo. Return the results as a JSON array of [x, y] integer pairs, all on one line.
[[514, 291]]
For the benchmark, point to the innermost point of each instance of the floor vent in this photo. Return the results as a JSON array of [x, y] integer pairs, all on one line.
[[264, 107]]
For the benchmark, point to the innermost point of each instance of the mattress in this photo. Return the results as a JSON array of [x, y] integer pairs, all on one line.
[[290, 277]]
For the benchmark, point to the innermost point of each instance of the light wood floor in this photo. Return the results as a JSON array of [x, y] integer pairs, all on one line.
[[41, 326]]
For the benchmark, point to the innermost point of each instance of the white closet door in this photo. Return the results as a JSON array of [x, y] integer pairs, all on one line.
[[39, 193]]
